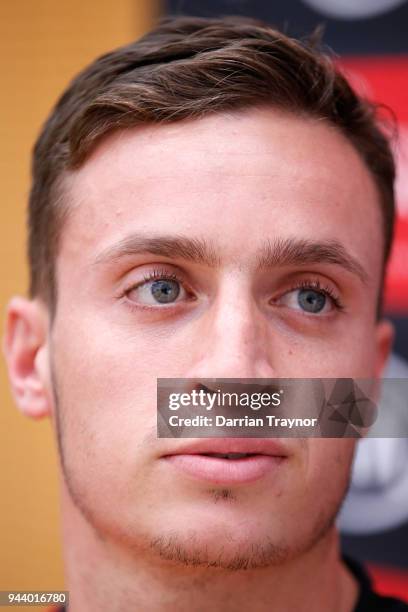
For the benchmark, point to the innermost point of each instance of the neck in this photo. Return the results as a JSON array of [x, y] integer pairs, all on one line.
[[105, 576]]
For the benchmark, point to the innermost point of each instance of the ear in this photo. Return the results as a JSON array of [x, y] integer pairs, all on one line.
[[385, 334], [25, 346]]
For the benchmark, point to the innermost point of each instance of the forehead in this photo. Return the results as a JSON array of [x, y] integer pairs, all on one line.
[[237, 178]]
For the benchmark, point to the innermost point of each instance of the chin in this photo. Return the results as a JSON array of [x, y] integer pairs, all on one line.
[[228, 550], [227, 538]]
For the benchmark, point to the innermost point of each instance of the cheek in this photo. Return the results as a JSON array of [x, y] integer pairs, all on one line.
[[107, 374], [356, 354], [107, 382], [106, 389], [105, 357], [329, 465], [350, 353], [353, 352]]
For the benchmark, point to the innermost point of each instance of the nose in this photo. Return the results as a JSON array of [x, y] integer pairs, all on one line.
[[231, 338]]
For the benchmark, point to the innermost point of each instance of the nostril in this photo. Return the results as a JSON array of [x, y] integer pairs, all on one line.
[[201, 387]]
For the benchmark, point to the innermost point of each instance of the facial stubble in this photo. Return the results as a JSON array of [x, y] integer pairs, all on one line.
[[188, 549]]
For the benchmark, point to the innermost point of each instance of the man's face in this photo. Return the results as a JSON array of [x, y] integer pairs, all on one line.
[[242, 184]]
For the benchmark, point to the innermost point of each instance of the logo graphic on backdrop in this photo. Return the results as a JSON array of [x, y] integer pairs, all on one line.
[[281, 407], [350, 9]]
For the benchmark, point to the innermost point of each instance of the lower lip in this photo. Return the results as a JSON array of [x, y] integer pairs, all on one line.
[[226, 471]]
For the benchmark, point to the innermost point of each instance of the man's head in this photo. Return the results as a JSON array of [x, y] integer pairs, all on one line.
[[212, 201], [186, 69]]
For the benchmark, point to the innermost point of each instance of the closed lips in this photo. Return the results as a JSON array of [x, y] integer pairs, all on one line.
[[228, 462], [232, 448], [228, 455]]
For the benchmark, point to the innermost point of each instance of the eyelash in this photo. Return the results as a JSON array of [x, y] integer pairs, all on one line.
[[150, 276], [314, 284], [162, 275]]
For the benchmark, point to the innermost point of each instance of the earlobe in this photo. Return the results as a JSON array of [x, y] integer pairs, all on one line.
[[385, 334], [25, 346]]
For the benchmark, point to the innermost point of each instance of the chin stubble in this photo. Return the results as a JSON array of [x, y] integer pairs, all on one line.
[[185, 549]]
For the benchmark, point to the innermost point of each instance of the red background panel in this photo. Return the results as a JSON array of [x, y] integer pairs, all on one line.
[[389, 581], [385, 80]]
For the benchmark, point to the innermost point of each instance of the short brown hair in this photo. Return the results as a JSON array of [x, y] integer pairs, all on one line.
[[187, 68]]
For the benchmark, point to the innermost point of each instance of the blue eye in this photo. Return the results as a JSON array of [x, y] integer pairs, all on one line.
[[311, 300], [165, 291], [158, 287]]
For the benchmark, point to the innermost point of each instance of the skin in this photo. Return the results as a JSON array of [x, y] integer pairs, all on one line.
[[136, 530]]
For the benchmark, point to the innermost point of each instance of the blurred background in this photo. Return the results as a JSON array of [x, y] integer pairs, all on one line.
[[44, 44]]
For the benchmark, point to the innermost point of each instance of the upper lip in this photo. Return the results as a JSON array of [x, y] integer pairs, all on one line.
[[256, 446]]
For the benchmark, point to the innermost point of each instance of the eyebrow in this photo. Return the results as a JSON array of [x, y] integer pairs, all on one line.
[[278, 252], [291, 251], [195, 250]]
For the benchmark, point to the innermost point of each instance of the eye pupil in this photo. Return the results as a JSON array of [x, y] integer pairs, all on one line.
[[311, 301], [165, 291]]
